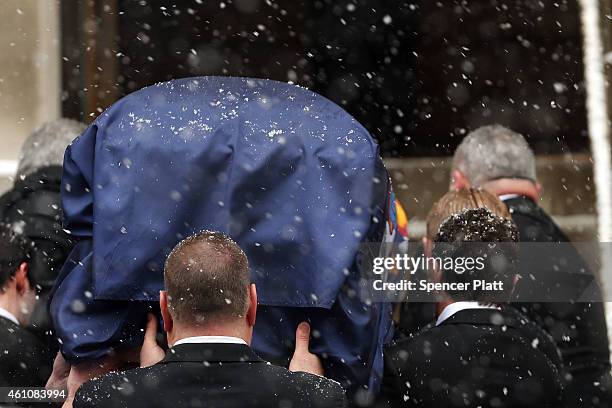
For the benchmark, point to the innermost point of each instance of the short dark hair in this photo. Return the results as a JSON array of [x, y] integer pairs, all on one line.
[[479, 233], [207, 276], [14, 250]]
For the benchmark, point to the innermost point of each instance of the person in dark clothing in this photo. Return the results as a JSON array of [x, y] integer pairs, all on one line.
[[473, 358], [33, 208], [579, 328], [24, 358], [208, 311], [479, 352], [219, 375], [555, 277]]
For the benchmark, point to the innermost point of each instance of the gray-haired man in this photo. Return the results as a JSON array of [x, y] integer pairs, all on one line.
[[497, 159], [500, 160]]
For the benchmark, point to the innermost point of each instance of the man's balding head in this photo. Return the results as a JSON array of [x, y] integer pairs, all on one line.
[[207, 277]]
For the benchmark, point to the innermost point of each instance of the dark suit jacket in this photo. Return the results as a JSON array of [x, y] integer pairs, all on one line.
[[477, 357], [25, 360], [210, 375], [578, 328]]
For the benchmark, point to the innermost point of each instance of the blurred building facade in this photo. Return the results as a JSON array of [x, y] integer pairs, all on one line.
[[418, 75], [30, 73]]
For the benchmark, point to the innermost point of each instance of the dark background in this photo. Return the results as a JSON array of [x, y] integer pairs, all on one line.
[[418, 74]]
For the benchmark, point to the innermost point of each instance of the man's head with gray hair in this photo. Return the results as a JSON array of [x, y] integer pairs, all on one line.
[[491, 153], [47, 144]]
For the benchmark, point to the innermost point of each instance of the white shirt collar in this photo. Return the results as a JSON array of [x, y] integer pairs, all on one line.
[[210, 339], [459, 306], [8, 315], [506, 197]]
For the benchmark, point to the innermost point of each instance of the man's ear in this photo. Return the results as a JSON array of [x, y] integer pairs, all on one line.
[[163, 305], [252, 311], [515, 282], [435, 273], [22, 283], [538, 187], [459, 180], [427, 246]]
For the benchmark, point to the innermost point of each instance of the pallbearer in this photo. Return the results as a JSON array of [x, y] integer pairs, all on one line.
[[290, 176]]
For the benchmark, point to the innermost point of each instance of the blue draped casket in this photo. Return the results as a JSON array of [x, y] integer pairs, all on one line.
[[289, 175]]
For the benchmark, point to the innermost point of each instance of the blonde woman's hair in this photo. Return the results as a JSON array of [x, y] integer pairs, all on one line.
[[455, 202]]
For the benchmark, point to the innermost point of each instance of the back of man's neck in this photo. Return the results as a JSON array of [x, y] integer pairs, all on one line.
[[441, 305], [183, 332], [8, 307], [509, 186]]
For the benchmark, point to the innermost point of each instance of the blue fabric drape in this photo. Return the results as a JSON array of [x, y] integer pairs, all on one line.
[[292, 177]]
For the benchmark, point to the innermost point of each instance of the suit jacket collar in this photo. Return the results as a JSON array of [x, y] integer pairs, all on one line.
[[5, 314], [456, 307], [522, 204], [482, 317], [211, 353]]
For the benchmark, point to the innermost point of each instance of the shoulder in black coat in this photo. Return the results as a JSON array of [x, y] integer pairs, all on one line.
[[211, 375], [578, 327], [477, 357], [25, 360]]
